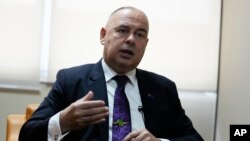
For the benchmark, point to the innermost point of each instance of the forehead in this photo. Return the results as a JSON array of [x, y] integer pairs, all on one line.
[[129, 17]]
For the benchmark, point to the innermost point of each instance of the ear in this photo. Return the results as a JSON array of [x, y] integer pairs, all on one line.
[[102, 35], [147, 41]]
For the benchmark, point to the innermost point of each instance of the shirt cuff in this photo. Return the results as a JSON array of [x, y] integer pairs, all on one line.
[[54, 129], [163, 139]]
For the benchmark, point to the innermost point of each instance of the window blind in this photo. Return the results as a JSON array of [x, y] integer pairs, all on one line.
[[20, 31], [183, 38]]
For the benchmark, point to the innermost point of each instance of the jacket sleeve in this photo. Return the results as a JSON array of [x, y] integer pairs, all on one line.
[[184, 129], [36, 128]]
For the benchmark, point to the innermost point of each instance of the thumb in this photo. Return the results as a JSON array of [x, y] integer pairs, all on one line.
[[88, 96]]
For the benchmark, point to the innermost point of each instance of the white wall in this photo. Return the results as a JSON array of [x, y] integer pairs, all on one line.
[[234, 80], [200, 108]]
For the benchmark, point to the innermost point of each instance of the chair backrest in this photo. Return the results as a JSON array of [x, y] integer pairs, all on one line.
[[15, 122], [30, 109]]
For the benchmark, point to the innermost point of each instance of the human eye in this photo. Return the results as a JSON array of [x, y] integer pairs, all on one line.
[[140, 34], [122, 30]]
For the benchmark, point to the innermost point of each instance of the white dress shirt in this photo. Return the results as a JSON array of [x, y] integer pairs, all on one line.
[[132, 93]]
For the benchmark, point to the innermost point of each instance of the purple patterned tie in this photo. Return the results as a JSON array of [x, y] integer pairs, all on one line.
[[121, 112]]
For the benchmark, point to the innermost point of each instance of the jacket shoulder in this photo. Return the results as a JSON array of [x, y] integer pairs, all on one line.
[[76, 71], [153, 77]]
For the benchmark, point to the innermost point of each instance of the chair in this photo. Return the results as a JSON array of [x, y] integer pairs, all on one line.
[[15, 122]]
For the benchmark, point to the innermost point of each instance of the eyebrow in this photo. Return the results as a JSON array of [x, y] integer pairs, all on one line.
[[143, 30], [139, 29]]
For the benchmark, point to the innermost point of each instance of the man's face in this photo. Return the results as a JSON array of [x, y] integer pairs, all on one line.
[[125, 39]]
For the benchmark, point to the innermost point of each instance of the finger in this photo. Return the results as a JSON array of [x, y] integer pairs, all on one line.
[[93, 119], [99, 121], [132, 135], [88, 96], [92, 104], [144, 134], [92, 123], [94, 111]]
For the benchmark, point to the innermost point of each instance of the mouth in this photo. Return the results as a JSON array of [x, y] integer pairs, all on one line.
[[126, 53]]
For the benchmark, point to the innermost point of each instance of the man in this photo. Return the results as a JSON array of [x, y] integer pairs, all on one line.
[[80, 105]]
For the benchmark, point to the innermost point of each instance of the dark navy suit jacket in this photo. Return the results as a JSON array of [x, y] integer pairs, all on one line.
[[164, 116]]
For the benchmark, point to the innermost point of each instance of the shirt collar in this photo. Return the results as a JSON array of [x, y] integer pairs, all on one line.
[[109, 73]]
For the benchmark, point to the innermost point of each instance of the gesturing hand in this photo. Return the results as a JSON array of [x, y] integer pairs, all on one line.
[[82, 113], [140, 135]]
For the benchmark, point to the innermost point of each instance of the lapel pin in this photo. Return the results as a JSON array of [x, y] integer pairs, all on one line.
[[150, 96]]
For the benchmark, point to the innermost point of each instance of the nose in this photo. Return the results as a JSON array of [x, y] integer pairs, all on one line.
[[130, 39]]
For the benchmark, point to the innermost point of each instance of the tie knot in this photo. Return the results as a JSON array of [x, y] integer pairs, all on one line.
[[121, 80]]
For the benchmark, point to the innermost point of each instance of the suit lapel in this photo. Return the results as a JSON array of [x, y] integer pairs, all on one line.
[[146, 98], [98, 86]]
